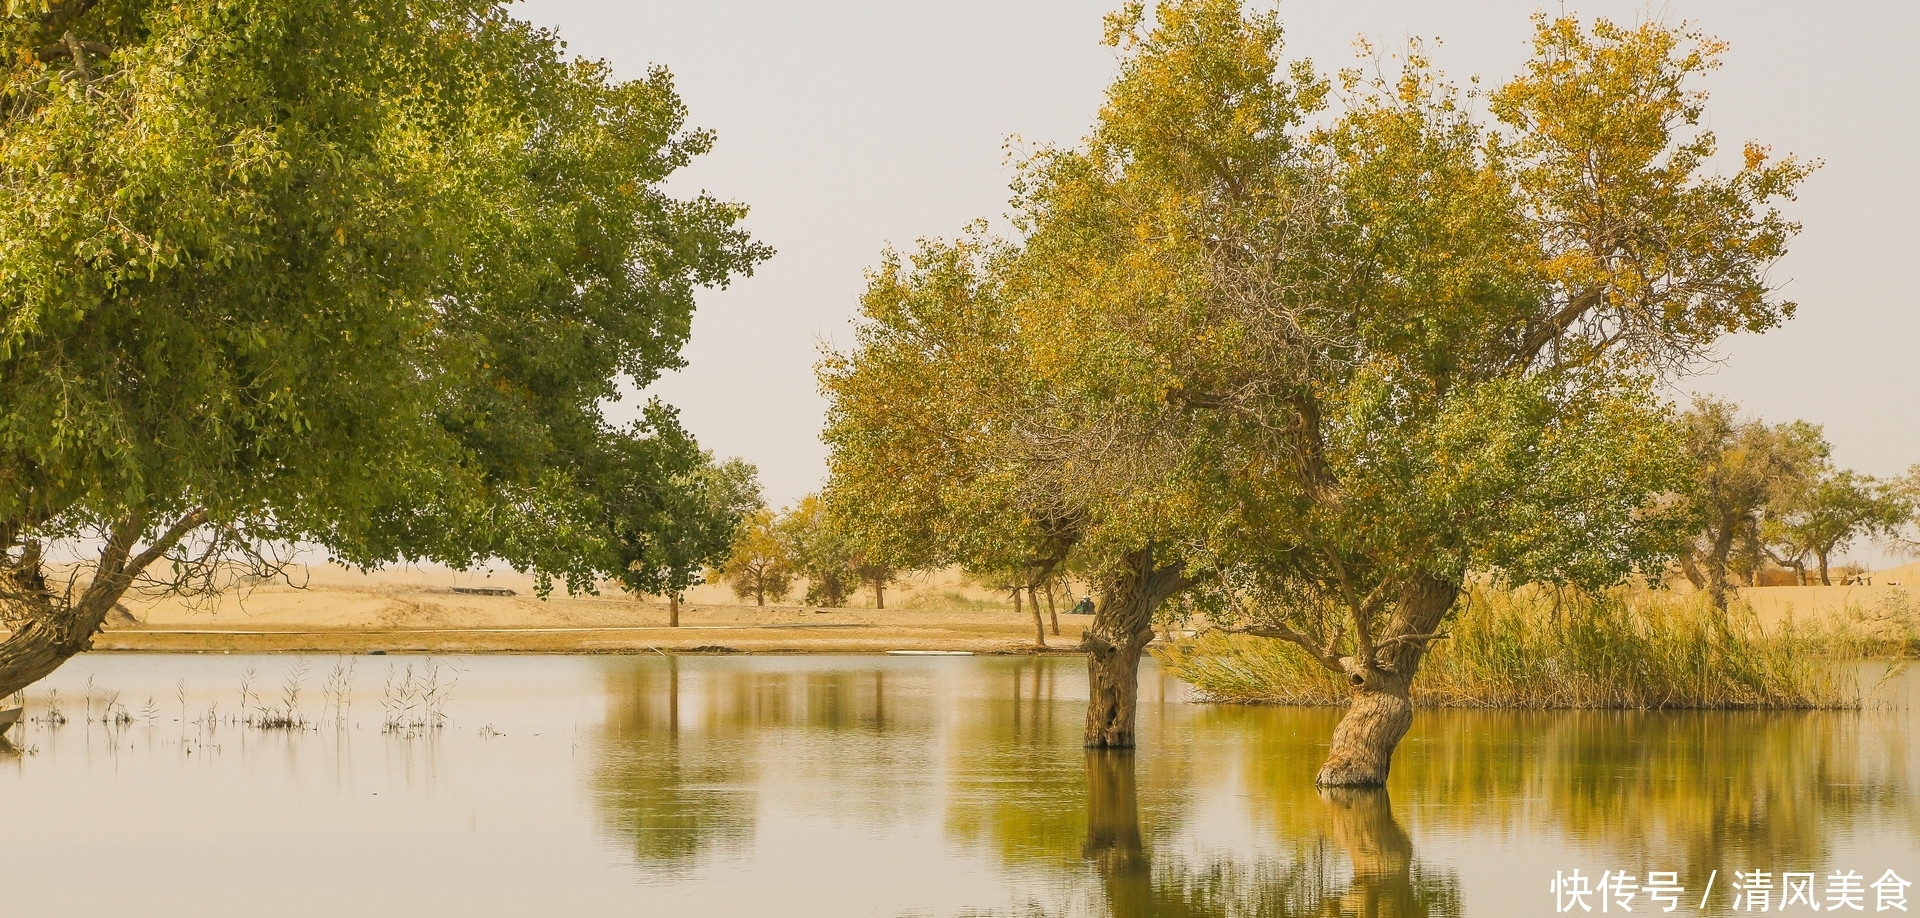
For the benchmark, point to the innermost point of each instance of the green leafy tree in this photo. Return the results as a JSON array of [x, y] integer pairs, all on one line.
[[820, 552], [979, 422], [759, 564], [1438, 334], [358, 275], [1828, 514], [672, 527], [1741, 470]]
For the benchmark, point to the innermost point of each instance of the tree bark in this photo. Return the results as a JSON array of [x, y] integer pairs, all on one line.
[[1382, 710], [1053, 612], [1824, 579], [1122, 627], [879, 593], [1039, 626], [53, 631], [1717, 566], [673, 609]]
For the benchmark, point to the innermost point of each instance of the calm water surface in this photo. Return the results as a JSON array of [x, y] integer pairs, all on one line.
[[802, 786]]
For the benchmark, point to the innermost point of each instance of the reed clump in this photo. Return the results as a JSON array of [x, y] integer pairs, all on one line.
[[1532, 648]]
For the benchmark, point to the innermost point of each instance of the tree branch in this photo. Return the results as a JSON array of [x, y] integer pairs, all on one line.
[[1284, 632], [167, 540]]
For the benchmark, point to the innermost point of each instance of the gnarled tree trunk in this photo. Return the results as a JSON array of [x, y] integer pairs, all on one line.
[[50, 629], [1382, 710], [1122, 628]]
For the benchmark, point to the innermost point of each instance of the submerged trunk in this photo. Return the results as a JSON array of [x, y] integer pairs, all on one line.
[[1122, 627], [1039, 626], [1382, 710]]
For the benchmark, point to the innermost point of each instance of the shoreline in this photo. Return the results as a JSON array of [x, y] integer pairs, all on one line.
[[982, 638]]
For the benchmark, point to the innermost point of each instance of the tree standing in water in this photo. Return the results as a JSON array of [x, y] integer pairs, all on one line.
[[1433, 341], [955, 438]]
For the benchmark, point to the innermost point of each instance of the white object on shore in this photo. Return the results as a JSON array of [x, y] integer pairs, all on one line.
[[930, 653]]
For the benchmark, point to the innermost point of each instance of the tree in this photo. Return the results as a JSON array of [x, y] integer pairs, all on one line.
[[1438, 335], [820, 552], [972, 425], [758, 564], [355, 275], [1740, 469], [671, 531], [1826, 515]]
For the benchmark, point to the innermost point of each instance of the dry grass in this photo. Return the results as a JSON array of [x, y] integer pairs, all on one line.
[[1633, 649]]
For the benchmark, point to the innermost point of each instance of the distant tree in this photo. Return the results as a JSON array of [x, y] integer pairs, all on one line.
[[873, 570], [759, 564], [668, 536], [1826, 515], [1741, 468], [820, 552]]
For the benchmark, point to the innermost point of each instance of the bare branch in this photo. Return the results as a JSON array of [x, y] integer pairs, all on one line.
[[1283, 632]]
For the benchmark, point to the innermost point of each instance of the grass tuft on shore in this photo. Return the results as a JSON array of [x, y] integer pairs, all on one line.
[[1527, 648]]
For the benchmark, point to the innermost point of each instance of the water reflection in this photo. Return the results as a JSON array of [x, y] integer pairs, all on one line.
[[1216, 814], [897, 786], [673, 795]]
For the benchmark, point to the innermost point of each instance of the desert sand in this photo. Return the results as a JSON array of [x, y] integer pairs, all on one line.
[[435, 610]]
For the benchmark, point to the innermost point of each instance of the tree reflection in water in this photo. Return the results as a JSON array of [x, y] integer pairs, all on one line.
[[1216, 814], [1379, 876], [673, 794]]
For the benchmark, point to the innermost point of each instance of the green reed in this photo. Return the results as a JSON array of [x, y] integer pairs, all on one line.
[[1533, 648]]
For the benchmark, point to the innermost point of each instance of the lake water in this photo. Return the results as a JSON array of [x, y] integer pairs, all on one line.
[[890, 786]]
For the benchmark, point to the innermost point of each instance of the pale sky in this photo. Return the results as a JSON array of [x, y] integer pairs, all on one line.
[[849, 126]]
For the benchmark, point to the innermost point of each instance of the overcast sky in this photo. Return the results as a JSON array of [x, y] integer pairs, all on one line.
[[849, 126]]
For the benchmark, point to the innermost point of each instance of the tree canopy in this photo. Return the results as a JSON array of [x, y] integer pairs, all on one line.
[[360, 275]]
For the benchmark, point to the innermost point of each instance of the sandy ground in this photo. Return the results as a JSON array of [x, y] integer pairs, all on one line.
[[434, 610], [422, 610]]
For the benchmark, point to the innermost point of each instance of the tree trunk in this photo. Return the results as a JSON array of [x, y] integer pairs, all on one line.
[[879, 593], [1052, 613], [1691, 570], [1824, 579], [1382, 710], [1717, 567], [673, 609], [1039, 625], [52, 632], [1122, 627], [1113, 833]]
